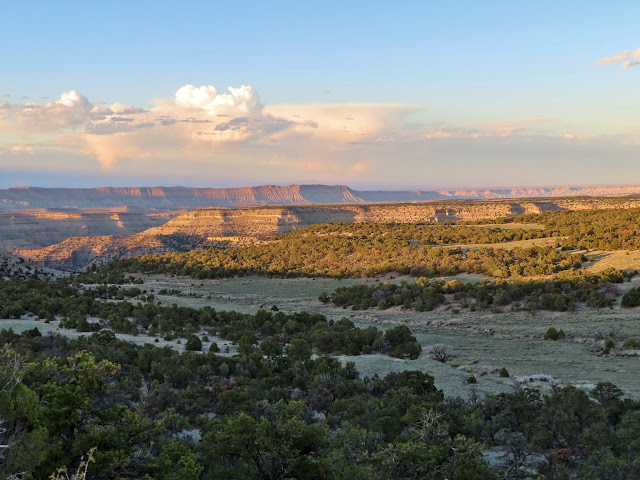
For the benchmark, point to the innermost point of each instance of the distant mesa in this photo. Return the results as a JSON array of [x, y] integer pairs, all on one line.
[[167, 198]]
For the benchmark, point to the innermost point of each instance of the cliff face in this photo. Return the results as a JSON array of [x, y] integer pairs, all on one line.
[[172, 197], [182, 197]]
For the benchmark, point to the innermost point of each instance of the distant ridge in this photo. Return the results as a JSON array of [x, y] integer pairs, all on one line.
[[17, 198]]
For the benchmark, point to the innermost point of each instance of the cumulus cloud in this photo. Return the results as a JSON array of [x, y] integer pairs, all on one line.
[[243, 99], [190, 96], [70, 109], [198, 118], [627, 59]]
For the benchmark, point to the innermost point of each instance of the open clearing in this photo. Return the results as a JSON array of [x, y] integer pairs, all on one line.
[[619, 259], [480, 343], [536, 242]]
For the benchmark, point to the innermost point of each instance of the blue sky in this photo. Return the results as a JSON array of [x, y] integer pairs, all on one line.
[[519, 76]]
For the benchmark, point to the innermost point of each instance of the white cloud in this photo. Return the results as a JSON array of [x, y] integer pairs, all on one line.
[[627, 58], [196, 97], [72, 108], [241, 100]]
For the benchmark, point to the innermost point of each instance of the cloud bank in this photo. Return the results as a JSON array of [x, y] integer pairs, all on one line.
[[230, 135], [199, 123]]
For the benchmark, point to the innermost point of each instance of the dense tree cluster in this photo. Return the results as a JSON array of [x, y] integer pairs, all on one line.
[[149, 412], [304, 254], [428, 234], [367, 249], [560, 293]]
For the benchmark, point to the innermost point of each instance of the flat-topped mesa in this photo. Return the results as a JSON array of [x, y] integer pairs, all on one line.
[[173, 197], [186, 197], [256, 223]]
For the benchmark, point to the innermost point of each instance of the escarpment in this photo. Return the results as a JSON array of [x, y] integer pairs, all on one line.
[[186, 197]]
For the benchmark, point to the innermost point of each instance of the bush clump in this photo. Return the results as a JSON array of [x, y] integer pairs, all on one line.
[[554, 334], [194, 344], [631, 298], [632, 343]]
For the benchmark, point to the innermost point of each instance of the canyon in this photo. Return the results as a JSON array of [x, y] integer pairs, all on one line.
[[106, 237], [70, 228]]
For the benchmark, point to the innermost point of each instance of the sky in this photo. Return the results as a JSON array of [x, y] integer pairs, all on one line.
[[405, 94]]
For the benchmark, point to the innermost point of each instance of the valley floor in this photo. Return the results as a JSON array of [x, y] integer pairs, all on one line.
[[480, 343]]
